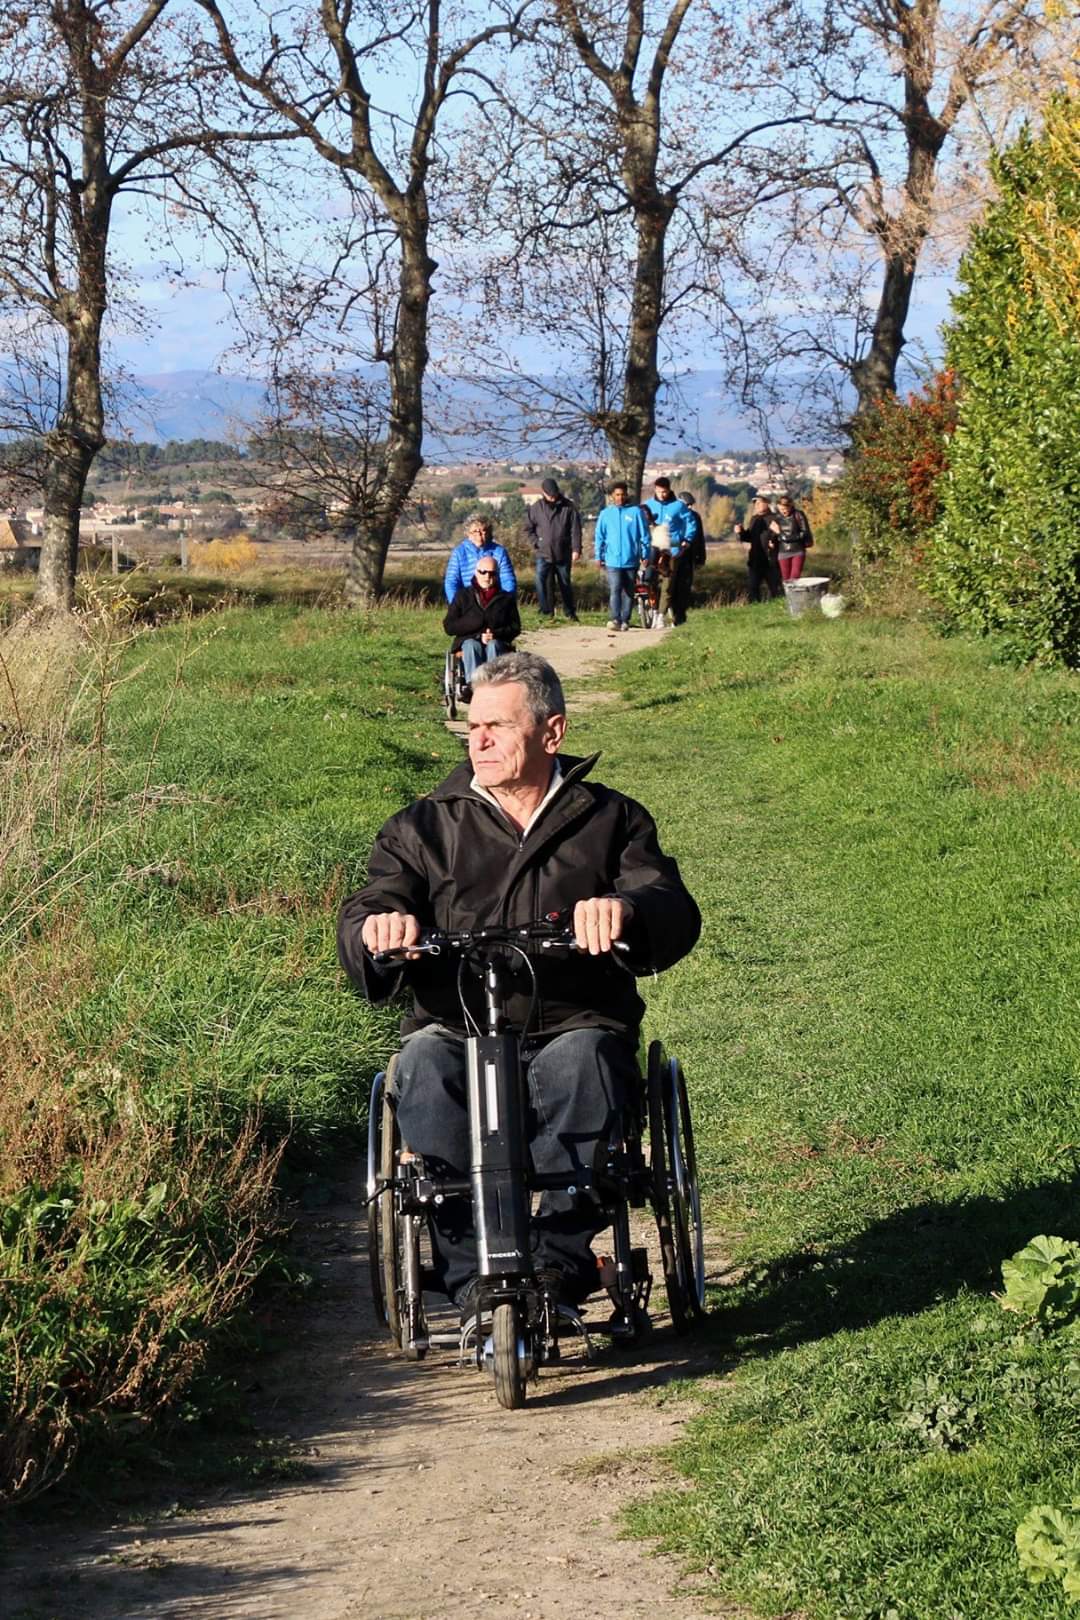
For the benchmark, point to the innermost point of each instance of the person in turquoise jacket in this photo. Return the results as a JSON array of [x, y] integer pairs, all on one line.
[[467, 553], [666, 507], [620, 542]]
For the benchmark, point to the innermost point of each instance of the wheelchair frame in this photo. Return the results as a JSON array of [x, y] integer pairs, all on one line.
[[454, 683], [660, 1172]]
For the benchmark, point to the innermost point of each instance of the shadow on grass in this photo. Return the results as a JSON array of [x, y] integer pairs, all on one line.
[[909, 1262]]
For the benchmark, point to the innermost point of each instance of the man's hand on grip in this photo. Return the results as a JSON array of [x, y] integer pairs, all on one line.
[[390, 931], [599, 923]]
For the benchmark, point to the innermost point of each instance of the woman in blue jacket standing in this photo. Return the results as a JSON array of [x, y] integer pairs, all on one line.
[[466, 554], [620, 542]]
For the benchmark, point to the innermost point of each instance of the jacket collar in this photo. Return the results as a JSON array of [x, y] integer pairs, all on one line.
[[458, 785]]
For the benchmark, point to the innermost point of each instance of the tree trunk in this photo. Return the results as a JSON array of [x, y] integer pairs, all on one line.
[[71, 448], [630, 430], [874, 375], [902, 236], [402, 456]]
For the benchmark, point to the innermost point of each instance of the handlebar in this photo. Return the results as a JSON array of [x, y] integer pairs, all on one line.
[[544, 935]]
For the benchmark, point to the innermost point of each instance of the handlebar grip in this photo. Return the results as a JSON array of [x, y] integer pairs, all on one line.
[[401, 953]]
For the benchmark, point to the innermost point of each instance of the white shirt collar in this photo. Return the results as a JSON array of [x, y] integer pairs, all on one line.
[[553, 788]]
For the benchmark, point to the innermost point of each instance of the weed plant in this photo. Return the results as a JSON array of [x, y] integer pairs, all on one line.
[[880, 1032], [180, 813]]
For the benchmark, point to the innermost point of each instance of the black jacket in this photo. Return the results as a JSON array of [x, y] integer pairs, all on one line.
[[795, 535], [467, 616], [554, 529], [455, 861], [762, 538]]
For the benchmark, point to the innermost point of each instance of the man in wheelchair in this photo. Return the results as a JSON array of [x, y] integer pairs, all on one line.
[[483, 619], [516, 833]]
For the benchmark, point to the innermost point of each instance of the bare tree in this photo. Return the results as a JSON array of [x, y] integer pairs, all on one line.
[[386, 155], [614, 255], [900, 104], [99, 99]]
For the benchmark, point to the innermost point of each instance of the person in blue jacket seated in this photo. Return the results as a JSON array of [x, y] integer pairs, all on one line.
[[620, 542], [483, 618], [665, 507], [467, 553]]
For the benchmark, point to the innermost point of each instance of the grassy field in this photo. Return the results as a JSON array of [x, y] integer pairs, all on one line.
[[180, 812], [879, 1026]]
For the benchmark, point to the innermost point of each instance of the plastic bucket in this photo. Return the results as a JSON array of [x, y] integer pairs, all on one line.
[[804, 593]]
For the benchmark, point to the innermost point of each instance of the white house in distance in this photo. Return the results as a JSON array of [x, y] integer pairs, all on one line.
[[18, 546]]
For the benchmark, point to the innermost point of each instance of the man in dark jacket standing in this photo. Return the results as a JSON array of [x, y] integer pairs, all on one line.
[[760, 539], [513, 835], [553, 525]]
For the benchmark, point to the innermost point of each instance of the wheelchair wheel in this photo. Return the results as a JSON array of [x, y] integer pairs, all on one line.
[[509, 1352], [384, 1144], [644, 612], [676, 1201], [450, 687], [393, 1233]]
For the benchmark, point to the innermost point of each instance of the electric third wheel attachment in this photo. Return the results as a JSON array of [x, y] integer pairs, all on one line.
[[510, 1355]]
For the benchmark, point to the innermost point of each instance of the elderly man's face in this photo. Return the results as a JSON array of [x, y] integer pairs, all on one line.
[[507, 747], [479, 533]]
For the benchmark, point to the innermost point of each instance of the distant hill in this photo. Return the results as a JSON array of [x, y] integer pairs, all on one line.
[[203, 404], [187, 405]]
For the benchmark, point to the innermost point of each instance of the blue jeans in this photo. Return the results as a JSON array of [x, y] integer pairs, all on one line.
[[475, 652], [621, 593], [544, 570], [578, 1084]]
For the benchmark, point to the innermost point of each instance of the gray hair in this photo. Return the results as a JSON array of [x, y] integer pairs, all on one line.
[[543, 689], [478, 517]]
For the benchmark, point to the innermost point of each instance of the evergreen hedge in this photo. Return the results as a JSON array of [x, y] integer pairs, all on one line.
[[1004, 557]]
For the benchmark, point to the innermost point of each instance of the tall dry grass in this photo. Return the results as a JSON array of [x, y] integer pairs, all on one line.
[[127, 1235]]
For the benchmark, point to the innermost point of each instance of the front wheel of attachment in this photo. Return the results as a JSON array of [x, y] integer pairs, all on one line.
[[510, 1360]]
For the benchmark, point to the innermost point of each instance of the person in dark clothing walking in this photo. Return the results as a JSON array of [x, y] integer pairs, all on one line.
[[553, 525], [483, 619], [760, 537], [518, 832], [693, 555]]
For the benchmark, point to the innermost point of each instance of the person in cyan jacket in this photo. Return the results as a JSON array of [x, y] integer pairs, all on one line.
[[516, 833], [619, 544], [478, 542], [483, 618], [668, 510]]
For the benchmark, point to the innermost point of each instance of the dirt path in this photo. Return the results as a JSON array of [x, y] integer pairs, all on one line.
[[417, 1496], [582, 653]]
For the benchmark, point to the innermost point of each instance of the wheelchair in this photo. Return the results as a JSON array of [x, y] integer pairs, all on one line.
[[455, 686], [647, 595], [652, 1164]]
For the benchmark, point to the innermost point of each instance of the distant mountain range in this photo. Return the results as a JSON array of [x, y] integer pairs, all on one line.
[[205, 405]]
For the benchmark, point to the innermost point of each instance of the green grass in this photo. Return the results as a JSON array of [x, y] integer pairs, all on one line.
[[879, 1026], [171, 1007], [289, 739], [880, 1030]]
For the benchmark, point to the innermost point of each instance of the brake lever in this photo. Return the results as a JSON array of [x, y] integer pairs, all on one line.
[[402, 953]]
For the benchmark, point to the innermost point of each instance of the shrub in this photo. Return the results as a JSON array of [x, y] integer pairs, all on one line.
[[234, 554], [889, 496], [1005, 556]]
